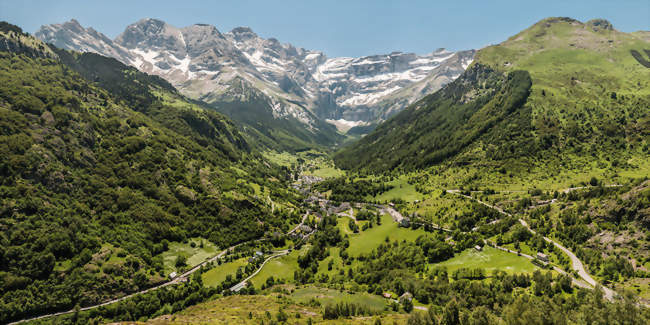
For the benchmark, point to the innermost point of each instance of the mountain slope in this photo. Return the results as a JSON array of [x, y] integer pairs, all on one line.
[[588, 101], [101, 166], [204, 65], [298, 85]]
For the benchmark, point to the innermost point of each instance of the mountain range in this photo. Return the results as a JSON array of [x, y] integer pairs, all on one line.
[[561, 93], [295, 92]]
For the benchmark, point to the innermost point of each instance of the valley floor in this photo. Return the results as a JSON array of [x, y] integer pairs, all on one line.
[[399, 219]]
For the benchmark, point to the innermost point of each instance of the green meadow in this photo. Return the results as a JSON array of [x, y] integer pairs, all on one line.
[[489, 259], [194, 255], [330, 296], [365, 241], [218, 274]]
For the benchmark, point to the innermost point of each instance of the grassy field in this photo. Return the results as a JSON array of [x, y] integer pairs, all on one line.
[[316, 163], [329, 296], [337, 264], [441, 209], [365, 241], [322, 167], [401, 190], [280, 158], [280, 268], [195, 255], [489, 259], [215, 276], [326, 172]]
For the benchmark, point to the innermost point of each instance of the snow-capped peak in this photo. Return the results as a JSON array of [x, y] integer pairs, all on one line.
[[202, 63]]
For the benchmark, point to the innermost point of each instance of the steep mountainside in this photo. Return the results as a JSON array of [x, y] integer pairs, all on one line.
[[298, 85], [589, 99], [101, 165]]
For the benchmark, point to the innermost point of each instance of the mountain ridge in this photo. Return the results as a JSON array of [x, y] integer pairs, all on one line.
[[589, 96], [304, 85]]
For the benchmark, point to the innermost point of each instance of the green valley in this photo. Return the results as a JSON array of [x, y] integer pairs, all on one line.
[[518, 193]]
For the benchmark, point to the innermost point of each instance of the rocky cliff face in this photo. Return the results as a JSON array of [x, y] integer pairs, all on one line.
[[303, 84]]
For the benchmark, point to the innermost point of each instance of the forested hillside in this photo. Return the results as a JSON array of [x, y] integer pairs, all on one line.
[[481, 103], [100, 167], [588, 100]]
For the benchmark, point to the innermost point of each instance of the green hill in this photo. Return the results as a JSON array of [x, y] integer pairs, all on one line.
[[100, 167], [588, 102]]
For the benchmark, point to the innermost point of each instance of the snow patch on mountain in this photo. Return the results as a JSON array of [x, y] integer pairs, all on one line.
[[357, 99], [303, 84], [148, 56]]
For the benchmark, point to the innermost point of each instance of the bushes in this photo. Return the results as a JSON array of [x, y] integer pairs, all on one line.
[[345, 309], [181, 261], [471, 274]]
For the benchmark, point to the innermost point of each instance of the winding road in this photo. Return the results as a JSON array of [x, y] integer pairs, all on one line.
[[179, 279], [576, 264], [242, 284]]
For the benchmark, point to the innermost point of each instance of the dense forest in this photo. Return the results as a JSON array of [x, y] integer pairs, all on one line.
[[97, 158], [344, 189], [482, 103]]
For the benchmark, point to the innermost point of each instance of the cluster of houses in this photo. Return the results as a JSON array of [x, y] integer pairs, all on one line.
[[345, 206], [404, 297], [304, 183], [258, 256]]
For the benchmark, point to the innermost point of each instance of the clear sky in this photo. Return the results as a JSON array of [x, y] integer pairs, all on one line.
[[338, 27]]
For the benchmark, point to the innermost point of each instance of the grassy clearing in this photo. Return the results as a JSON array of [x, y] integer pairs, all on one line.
[[329, 296], [215, 276], [441, 209], [336, 264], [343, 223], [401, 190], [326, 172], [322, 167], [62, 266], [489, 259], [365, 241], [280, 268], [281, 158], [315, 163], [194, 255]]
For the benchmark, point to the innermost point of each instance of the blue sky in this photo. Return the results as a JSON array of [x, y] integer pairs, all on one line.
[[339, 28]]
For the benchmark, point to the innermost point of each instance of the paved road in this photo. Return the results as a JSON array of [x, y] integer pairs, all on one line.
[[557, 269], [242, 284], [566, 190], [576, 264], [571, 189], [300, 224], [181, 278], [457, 192]]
